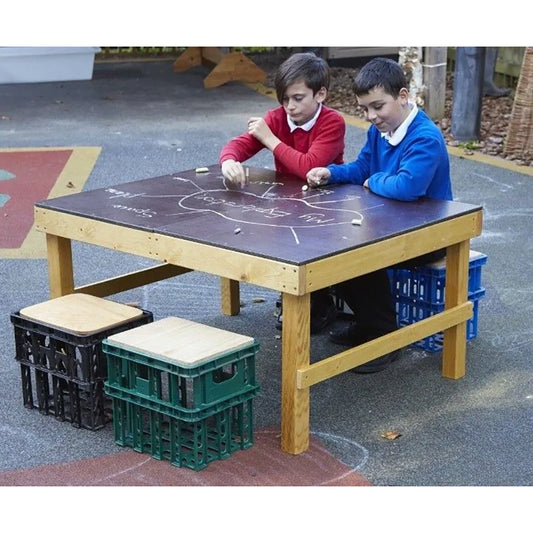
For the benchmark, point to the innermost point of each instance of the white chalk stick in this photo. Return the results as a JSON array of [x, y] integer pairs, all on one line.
[[201, 169], [305, 187], [237, 230], [356, 222]]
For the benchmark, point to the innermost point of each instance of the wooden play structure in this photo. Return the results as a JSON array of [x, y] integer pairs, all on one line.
[[227, 66]]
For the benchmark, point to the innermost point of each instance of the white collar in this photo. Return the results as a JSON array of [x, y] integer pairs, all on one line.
[[397, 137], [308, 125]]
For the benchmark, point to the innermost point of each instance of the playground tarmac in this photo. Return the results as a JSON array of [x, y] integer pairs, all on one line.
[[144, 120]]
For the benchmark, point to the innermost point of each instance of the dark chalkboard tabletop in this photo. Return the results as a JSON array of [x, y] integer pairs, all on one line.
[[271, 217]]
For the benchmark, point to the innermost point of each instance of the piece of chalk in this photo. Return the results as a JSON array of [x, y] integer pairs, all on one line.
[[237, 230], [305, 187], [356, 222], [201, 169]]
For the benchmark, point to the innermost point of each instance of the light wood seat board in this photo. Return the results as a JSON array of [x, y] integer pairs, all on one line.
[[81, 314], [441, 263], [180, 341]]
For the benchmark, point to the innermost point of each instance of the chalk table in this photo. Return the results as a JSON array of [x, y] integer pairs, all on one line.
[[273, 234]]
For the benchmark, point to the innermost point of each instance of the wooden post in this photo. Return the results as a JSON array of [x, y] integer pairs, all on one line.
[[468, 92], [454, 348], [435, 81], [230, 296], [60, 273], [295, 354]]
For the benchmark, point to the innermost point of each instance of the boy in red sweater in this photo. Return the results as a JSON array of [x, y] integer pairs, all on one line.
[[302, 133]]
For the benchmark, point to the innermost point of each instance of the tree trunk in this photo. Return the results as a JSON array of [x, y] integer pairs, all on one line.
[[468, 93]]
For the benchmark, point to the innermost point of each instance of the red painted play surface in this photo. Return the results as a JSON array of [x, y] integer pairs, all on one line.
[[34, 173], [264, 464]]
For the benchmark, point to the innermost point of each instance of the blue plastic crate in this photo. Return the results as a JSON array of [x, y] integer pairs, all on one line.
[[411, 311], [427, 282]]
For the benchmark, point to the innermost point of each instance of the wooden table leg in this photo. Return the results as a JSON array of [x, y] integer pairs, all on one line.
[[295, 354], [454, 348], [60, 273], [230, 296]]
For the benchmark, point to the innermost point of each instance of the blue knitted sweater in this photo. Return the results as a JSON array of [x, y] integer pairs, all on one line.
[[417, 167]]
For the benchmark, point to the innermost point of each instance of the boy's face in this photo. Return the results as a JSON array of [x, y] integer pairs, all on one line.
[[383, 110], [300, 103]]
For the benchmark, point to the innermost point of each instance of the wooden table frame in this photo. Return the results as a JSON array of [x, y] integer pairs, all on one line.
[[295, 282]]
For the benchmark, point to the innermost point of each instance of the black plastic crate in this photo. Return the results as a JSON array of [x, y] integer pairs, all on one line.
[[61, 352], [63, 373], [83, 404]]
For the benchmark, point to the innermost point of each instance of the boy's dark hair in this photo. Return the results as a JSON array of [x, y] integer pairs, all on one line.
[[380, 72], [306, 66]]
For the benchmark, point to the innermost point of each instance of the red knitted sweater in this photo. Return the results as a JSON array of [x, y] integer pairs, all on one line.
[[299, 151]]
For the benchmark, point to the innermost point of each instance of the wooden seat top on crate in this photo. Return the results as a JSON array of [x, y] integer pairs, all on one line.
[[441, 263], [179, 341], [81, 314]]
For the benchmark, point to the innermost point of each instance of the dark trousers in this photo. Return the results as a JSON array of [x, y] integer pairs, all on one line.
[[370, 297], [321, 300]]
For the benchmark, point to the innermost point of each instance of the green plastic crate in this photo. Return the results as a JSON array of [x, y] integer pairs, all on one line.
[[174, 389], [185, 444]]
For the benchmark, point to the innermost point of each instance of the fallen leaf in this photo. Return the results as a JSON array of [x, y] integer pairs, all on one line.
[[70, 185], [391, 435]]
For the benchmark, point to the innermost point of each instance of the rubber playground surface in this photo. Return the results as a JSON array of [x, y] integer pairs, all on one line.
[[139, 120]]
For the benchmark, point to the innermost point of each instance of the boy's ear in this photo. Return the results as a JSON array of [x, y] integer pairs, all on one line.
[[321, 94], [404, 94]]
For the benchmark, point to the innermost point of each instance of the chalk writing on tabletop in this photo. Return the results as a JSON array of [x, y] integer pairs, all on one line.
[[263, 203], [142, 212]]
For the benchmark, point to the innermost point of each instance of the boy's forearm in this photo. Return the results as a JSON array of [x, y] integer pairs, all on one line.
[[347, 173], [271, 142]]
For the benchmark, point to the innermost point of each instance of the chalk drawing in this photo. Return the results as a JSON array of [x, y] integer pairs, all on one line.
[[503, 186], [4, 198], [357, 462], [269, 207], [6, 175]]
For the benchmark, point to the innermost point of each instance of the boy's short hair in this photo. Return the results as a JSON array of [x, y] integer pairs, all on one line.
[[380, 72], [306, 66]]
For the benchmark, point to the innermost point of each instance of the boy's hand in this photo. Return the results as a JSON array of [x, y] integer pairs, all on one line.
[[233, 171], [258, 128], [318, 176]]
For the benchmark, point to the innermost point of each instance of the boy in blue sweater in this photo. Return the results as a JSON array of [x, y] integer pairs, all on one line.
[[404, 158]]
